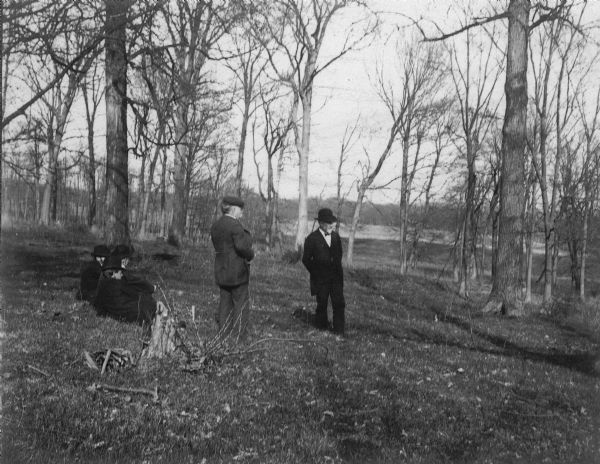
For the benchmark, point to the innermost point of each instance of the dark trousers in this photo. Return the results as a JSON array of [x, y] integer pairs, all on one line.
[[233, 312], [335, 291]]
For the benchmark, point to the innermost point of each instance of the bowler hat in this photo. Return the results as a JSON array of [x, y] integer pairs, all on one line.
[[233, 201], [101, 250], [112, 262], [326, 215]]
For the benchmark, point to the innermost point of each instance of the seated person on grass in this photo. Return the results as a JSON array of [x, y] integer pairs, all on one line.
[[122, 299], [124, 253], [90, 274]]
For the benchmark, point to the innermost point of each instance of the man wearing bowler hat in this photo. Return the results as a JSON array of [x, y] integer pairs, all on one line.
[[323, 259], [233, 253]]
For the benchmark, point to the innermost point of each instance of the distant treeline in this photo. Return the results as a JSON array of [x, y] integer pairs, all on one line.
[[441, 216], [22, 202]]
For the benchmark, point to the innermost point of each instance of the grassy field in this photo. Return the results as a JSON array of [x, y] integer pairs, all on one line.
[[422, 376]]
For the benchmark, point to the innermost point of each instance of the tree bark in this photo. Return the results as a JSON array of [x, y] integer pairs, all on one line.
[[507, 283], [304, 154], [117, 176]]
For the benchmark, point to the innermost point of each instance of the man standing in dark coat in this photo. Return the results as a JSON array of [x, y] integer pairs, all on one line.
[[233, 253], [90, 274], [121, 299], [323, 258]]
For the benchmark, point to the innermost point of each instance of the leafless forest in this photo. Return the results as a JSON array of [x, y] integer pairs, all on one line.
[[132, 119]]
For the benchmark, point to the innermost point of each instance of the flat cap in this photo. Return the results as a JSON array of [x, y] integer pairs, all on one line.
[[233, 201]]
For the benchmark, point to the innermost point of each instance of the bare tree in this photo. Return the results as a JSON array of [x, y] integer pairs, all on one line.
[[298, 29], [474, 78], [409, 99], [274, 142], [506, 281], [348, 141], [441, 121], [194, 30], [505, 292], [247, 66], [590, 176], [117, 176], [92, 96]]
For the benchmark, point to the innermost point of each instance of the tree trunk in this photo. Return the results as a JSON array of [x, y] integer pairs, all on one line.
[[117, 176], [177, 228], [529, 245], [2, 97], [506, 284], [148, 191], [354, 226], [404, 201], [242, 145], [304, 154]]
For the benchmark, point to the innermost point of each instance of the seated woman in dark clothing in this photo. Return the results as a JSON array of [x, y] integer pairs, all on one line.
[[123, 298], [90, 274]]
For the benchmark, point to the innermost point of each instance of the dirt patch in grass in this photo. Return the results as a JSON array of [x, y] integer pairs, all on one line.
[[422, 377]]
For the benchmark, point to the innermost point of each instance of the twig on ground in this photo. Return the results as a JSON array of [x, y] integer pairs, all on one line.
[[105, 363], [38, 370], [112, 388]]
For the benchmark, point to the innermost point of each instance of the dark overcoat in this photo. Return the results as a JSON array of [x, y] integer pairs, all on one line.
[[90, 274], [324, 263], [125, 300], [233, 248]]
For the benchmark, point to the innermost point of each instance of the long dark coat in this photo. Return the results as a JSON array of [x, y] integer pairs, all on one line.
[[90, 274], [324, 263], [125, 300], [233, 247]]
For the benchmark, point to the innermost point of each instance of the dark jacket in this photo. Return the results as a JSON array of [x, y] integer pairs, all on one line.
[[324, 263], [233, 247], [125, 300], [90, 274]]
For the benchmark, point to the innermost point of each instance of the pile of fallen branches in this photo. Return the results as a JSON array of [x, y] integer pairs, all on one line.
[[112, 359]]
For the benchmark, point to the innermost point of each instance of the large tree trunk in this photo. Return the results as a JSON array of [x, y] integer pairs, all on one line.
[[304, 154], [177, 228], [117, 175], [506, 283]]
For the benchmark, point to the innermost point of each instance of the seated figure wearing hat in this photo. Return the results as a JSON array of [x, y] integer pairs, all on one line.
[[90, 273], [322, 257], [121, 299], [233, 253]]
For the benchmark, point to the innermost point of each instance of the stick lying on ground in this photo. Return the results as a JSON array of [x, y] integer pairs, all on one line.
[[112, 388], [39, 371]]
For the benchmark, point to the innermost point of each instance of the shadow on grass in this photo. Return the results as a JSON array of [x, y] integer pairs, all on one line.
[[580, 362]]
